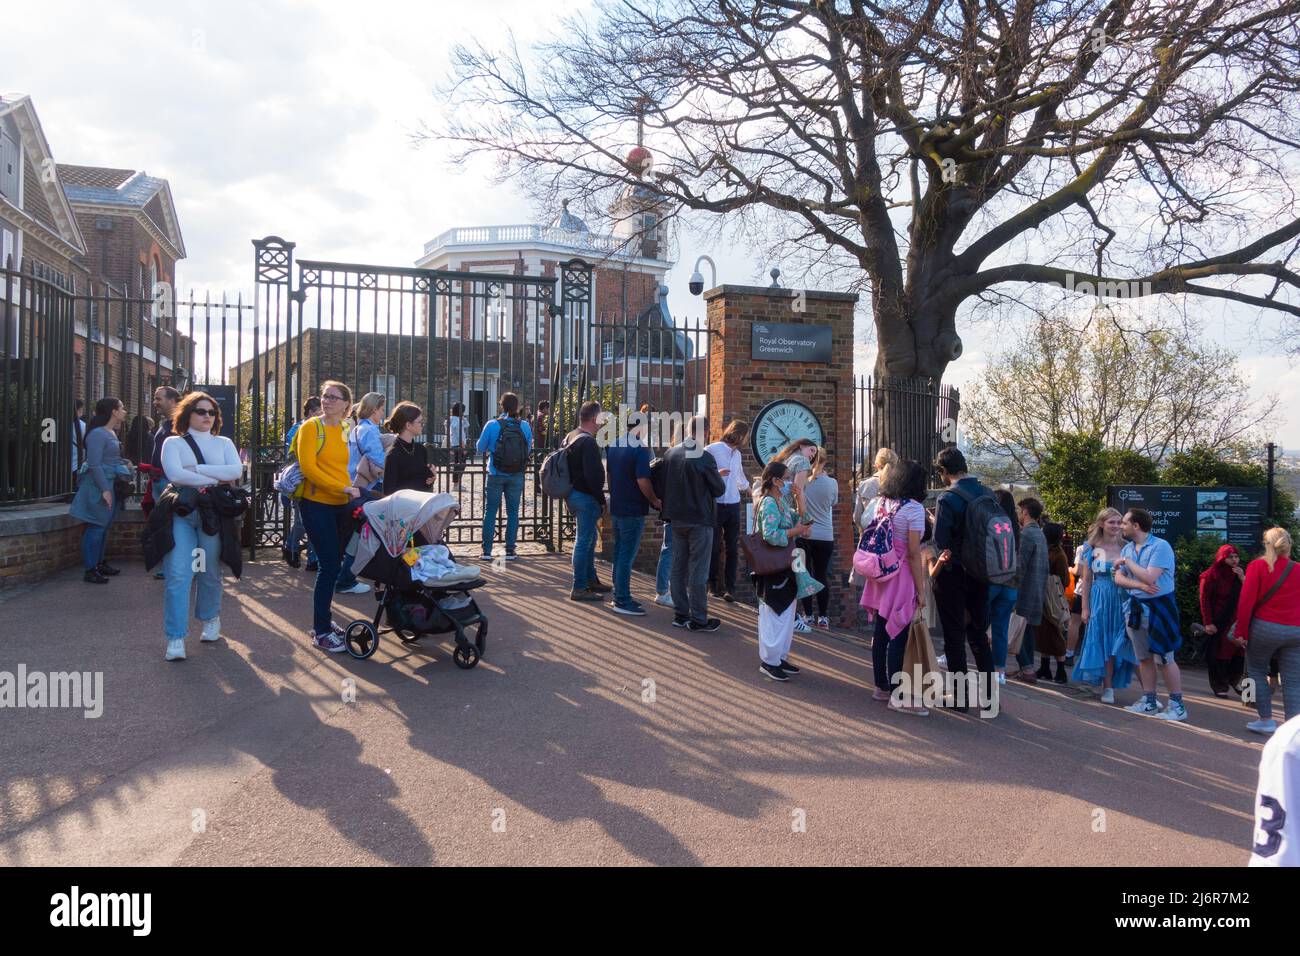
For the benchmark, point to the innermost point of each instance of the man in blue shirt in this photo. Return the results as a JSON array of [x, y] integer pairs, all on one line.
[[631, 495], [1146, 568], [507, 460]]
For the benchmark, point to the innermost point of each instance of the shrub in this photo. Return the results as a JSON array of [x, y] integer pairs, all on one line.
[[1191, 557], [1072, 479]]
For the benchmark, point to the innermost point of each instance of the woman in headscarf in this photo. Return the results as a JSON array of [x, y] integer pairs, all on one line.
[[1220, 589]]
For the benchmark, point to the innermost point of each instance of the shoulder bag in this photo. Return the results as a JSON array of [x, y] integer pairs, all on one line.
[[764, 558]]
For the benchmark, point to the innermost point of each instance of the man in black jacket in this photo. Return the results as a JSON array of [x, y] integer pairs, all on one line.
[[691, 486], [586, 501]]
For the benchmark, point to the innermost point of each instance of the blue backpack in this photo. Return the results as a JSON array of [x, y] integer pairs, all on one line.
[[875, 559]]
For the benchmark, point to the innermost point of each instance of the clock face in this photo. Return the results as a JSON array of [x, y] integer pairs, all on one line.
[[780, 423]]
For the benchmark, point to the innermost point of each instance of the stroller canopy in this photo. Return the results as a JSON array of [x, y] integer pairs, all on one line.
[[391, 521]]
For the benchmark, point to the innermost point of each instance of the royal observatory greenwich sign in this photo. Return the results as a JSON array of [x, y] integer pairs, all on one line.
[[788, 342]]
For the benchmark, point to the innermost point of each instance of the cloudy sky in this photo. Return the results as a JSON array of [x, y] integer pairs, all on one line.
[[294, 119]]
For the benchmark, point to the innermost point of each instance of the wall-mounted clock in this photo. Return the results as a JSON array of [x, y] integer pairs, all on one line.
[[781, 422]]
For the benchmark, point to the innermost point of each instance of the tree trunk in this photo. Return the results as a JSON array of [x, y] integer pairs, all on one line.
[[907, 412]]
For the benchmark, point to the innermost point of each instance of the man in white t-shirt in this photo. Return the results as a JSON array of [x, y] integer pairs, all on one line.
[[1277, 800], [726, 528]]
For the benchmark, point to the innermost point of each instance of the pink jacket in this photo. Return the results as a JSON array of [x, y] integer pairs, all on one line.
[[896, 597]]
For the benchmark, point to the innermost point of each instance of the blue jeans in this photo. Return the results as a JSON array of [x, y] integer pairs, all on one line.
[[326, 526], [586, 510], [627, 540], [179, 570], [159, 486], [512, 486], [94, 538], [1002, 601], [663, 573]]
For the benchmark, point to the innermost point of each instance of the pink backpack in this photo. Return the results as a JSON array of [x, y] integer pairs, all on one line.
[[875, 559]]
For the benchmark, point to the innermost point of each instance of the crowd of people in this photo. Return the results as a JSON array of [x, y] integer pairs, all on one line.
[[992, 573]]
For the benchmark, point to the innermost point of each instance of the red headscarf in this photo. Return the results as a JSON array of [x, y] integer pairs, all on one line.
[[1219, 572]]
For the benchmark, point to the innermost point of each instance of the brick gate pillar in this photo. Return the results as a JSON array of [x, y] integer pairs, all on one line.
[[740, 385]]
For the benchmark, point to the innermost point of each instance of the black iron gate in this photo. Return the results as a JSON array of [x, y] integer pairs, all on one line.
[[449, 341]]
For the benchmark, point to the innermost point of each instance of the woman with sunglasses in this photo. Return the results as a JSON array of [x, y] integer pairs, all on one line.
[[321, 446], [196, 425]]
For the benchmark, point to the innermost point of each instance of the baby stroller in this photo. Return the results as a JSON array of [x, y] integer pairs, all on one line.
[[415, 607]]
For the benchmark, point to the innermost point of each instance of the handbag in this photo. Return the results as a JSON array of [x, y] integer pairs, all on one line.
[[764, 558], [1015, 633], [919, 658], [367, 471]]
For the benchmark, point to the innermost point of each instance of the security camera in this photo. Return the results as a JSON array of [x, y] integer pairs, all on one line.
[[696, 285]]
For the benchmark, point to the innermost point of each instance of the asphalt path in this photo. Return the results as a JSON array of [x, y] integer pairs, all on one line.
[[582, 738]]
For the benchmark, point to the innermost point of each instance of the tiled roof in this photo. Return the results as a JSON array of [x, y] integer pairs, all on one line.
[[97, 184], [100, 176]]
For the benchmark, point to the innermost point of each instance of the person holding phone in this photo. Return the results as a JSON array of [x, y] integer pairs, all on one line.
[[726, 527], [777, 592]]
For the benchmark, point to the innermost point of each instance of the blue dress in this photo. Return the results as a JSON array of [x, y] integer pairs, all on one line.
[[1105, 636]]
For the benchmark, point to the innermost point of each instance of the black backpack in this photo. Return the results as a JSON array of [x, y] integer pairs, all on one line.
[[510, 454], [988, 544]]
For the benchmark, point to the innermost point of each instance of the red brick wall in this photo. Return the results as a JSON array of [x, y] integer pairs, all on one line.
[[27, 558], [740, 387], [621, 293]]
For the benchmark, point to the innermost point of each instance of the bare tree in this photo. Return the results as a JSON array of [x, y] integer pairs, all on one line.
[[948, 151], [1139, 384]]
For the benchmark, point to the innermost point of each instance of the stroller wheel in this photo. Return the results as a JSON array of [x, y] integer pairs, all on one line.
[[465, 656], [361, 639]]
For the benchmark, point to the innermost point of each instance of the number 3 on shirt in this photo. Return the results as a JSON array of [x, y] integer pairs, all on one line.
[[1272, 827]]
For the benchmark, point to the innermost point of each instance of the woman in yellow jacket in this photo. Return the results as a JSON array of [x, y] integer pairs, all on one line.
[[321, 447]]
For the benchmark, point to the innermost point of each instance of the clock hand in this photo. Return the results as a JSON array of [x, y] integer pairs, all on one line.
[[781, 433]]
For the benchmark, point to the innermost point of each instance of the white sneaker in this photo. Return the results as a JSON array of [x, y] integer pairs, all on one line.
[[1262, 726], [1108, 695], [801, 626], [824, 622], [1002, 677], [357, 588], [329, 642], [664, 600], [1141, 706], [211, 630], [175, 650], [943, 661], [1175, 711]]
